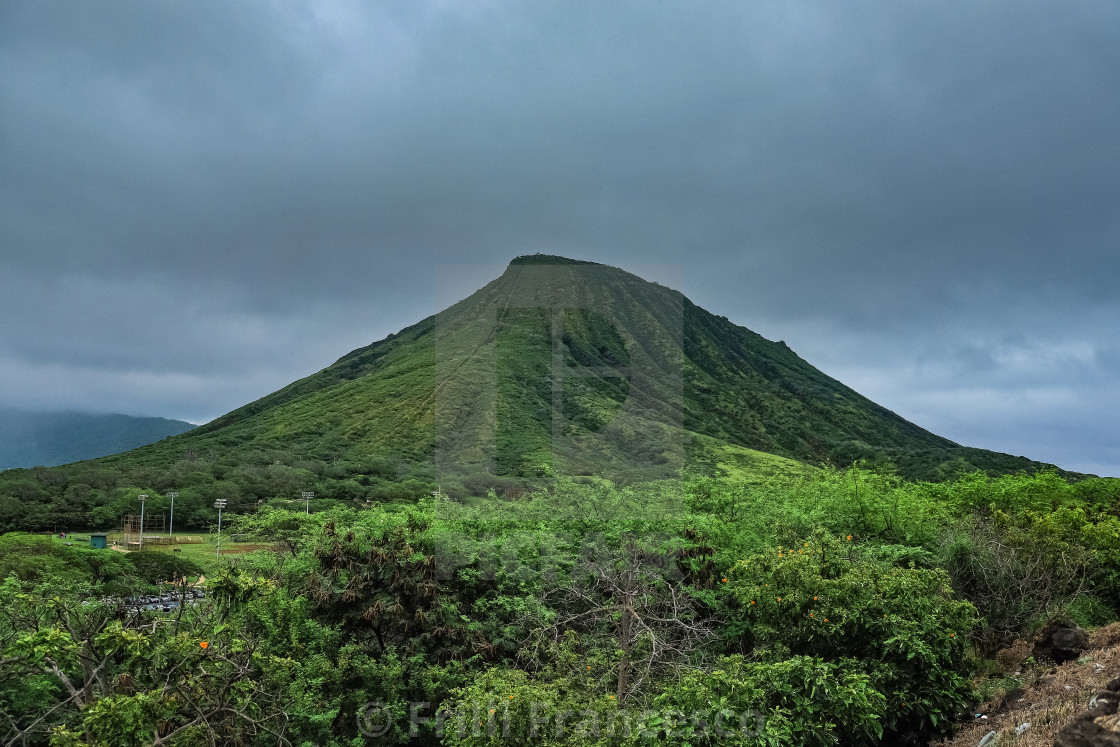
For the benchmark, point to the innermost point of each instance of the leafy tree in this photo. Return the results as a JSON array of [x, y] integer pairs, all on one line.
[[289, 529], [103, 673], [160, 567], [381, 591]]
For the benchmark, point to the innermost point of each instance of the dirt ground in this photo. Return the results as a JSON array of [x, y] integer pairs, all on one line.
[[1048, 699]]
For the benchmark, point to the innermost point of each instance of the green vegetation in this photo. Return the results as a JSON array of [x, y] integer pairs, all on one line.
[[824, 607], [33, 559]]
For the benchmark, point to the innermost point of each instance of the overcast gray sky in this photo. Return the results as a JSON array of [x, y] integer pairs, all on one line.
[[203, 201]]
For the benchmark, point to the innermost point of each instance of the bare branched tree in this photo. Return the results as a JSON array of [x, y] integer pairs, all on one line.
[[628, 594], [218, 693], [1013, 581]]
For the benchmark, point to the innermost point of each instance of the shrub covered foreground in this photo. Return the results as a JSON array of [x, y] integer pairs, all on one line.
[[841, 608]]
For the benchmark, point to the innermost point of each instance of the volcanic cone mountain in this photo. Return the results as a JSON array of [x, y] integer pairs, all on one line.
[[562, 366]]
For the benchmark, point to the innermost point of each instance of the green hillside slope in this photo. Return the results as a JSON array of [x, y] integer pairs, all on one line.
[[474, 387]]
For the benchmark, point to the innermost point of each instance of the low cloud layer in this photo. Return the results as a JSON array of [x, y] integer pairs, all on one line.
[[202, 202]]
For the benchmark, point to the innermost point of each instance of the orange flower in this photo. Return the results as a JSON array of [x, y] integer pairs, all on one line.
[[952, 635], [752, 601], [511, 697], [204, 644], [725, 580], [779, 599], [810, 614], [849, 536], [814, 599], [826, 619]]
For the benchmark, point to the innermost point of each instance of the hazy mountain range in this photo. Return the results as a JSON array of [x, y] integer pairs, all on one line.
[[29, 439]]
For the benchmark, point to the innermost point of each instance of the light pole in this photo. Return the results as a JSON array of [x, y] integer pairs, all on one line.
[[171, 527], [307, 496], [143, 497], [219, 504]]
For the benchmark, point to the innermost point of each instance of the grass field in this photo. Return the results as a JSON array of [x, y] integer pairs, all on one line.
[[205, 553]]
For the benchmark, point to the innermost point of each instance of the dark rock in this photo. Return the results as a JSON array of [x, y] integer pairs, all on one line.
[[1104, 703], [1060, 641], [1099, 726], [1071, 638], [1086, 734]]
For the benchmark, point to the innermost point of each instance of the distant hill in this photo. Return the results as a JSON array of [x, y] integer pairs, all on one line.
[[30, 439]]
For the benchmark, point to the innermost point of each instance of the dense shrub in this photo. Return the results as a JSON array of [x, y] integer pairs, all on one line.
[[817, 609], [829, 598], [34, 558], [802, 701], [1025, 566], [160, 567]]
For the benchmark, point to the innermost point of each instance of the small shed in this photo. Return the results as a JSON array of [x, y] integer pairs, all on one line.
[[98, 540]]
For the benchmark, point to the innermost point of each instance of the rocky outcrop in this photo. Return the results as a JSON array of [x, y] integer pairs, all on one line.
[[1099, 726], [1060, 641]]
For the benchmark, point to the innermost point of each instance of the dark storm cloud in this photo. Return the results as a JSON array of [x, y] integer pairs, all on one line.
[[916, 195]]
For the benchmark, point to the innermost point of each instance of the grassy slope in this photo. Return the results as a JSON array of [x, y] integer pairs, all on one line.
[[748, 390]]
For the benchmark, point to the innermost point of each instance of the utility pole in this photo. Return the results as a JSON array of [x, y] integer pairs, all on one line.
[[171, 527], [307, 496], [219, 504], [143, 497]]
